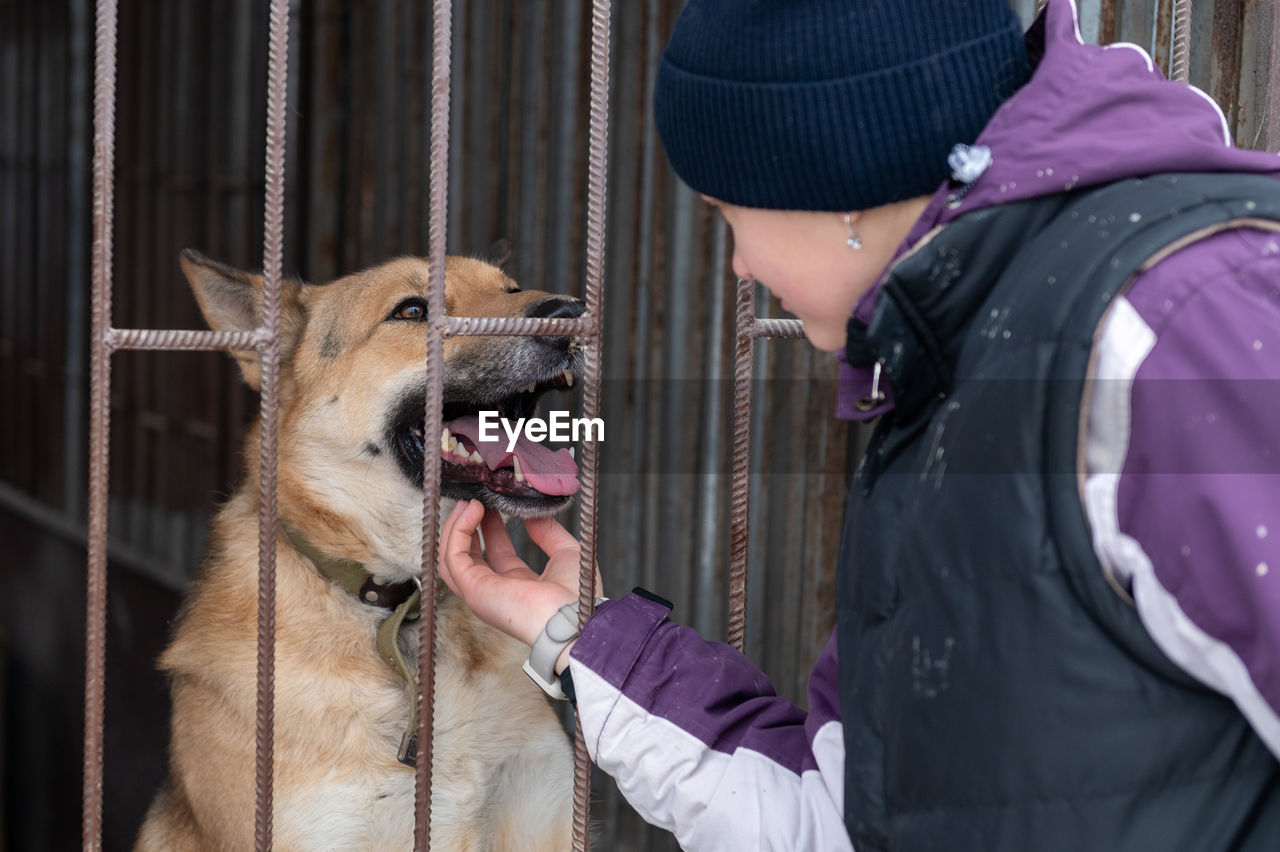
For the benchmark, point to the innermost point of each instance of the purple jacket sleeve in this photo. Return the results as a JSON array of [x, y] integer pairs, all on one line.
[[699, 743], [1183, 463]]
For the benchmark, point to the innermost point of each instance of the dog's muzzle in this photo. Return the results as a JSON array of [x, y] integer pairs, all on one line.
[[529, 479]]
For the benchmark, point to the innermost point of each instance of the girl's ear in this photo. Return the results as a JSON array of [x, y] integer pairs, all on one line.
[[231, 300]]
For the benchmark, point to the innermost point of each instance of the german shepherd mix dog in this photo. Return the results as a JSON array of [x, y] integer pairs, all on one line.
[[352, 385]]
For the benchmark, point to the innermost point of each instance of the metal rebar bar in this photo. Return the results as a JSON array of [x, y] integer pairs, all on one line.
[[782, 328], [739, 502], [1180, 62], [269, 355], [748, 328], [583, 326], [104, 114], [597, 197], [186, 340], [441, 80]]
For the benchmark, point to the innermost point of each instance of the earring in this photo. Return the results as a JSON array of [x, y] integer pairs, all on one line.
[[855, 239]]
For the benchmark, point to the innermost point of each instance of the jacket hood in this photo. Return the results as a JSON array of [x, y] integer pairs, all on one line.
[[1088, 116]]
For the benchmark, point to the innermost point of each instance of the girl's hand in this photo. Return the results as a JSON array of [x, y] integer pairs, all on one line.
[[496, 584]]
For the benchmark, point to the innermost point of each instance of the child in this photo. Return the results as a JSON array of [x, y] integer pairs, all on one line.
[[1058, 609]]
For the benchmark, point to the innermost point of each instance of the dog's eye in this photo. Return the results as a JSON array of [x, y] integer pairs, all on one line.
[[410, 309], [514, 290]]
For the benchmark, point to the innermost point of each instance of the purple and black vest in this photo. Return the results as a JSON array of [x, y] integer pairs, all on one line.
[[997, 693]]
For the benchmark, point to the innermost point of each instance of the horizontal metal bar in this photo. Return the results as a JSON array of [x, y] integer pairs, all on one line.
[[583, 326], [198, 340], [183, 339], [792, 329]]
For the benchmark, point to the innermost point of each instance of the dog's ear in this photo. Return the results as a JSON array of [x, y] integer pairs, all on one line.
[[231, 300], [500, 254]]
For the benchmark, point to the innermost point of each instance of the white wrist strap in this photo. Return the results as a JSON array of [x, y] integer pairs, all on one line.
[[561, 629]]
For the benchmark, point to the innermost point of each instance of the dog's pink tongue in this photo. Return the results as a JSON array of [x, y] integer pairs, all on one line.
[[550, 471]]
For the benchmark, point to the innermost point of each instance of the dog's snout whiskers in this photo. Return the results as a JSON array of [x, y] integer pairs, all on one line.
[[557, 307]]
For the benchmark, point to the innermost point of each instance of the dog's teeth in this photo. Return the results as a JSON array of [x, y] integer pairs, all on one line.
[[475, 457], [445, 438], [568, 378], [461, 451], [573, 453], [529, 388], [515, 462]]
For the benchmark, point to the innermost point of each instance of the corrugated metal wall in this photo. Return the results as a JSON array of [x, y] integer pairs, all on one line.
[[190, 173]]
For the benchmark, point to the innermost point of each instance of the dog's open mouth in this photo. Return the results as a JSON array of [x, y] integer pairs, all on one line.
[[532, 477]]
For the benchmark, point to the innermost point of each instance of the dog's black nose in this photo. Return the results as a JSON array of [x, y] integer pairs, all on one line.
[[557, 307]]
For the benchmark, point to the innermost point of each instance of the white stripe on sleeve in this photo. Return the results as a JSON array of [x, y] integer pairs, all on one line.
[[1124, 344], [712, 801]]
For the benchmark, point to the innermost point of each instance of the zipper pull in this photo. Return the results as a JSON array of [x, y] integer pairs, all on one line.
[[968, 163]]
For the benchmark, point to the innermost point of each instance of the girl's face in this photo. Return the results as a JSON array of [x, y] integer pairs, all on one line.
[[803, 259]]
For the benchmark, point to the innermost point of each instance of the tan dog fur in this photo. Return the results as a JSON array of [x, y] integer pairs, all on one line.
[[502, 769]]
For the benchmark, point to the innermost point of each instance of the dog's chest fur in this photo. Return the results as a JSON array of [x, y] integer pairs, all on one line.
[[340, 713]]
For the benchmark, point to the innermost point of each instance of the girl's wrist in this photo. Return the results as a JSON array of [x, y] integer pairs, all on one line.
[[562, 662]]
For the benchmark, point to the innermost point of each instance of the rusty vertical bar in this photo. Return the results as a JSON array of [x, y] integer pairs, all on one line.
[[748, 328], [441, 56], [104, 130], [597, 197], [1107, 22], [1180, 61], [1269, 126], [1162, 35], [1225, 44], [269, 355], [740, 502]]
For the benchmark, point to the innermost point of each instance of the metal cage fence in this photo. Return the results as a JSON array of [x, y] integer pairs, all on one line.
[[1173, 19], [106, 340]]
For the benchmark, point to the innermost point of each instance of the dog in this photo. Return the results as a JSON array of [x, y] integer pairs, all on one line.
[[352, 387]]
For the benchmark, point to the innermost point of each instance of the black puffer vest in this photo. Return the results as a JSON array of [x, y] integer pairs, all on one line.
[[997, 693]]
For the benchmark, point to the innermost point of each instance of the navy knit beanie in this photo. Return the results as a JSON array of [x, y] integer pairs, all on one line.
[[831, 104]]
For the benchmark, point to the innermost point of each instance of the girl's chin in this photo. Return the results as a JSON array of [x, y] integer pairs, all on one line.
[[828, 340]]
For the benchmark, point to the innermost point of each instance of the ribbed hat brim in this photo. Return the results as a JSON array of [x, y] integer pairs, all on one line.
[[844, 144]]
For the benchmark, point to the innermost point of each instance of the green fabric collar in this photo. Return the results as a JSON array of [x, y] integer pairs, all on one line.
[[404, 599]]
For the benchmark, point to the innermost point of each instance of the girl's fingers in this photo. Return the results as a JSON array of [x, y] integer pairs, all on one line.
[[462, 522], [457, 567], [550, 536], [500, 552], [497, 543]]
